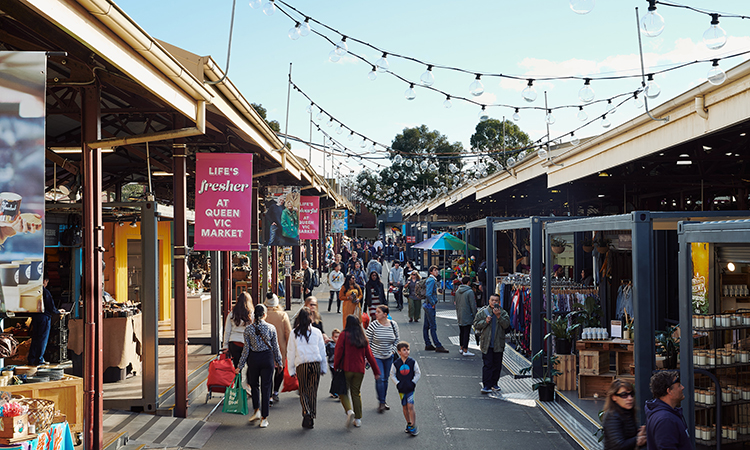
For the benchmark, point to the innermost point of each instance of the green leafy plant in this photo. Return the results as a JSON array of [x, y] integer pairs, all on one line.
[[192, 284], [587, 242], [587, 314], [666, 342], [558, 242], [560, 329], [550, 372]]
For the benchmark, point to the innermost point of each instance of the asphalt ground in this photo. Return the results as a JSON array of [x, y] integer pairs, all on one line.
[[451, 411]]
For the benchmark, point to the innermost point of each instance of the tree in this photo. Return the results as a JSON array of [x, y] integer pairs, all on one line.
[[421, 144], [273, 124], [496, 137]]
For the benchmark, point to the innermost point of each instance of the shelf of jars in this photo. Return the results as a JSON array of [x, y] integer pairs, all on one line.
[[730, 434], [729, 321], [731, 395]]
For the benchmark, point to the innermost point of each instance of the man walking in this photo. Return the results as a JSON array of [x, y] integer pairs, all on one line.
[[466, 310], [375, 265], [665, 424], [430, 319], [307, 280], [396, 281], [491, 321]]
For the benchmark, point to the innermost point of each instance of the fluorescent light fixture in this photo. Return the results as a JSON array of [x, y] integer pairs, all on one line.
[[742, 134], [161, 173], [684, 155], [601, 195], [684, 163], [706, 147], [76, 150]]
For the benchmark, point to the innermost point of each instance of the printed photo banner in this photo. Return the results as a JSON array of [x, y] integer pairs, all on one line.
[[309, 217], [281, 223], [339, 221], [22, 157], [223, 201]]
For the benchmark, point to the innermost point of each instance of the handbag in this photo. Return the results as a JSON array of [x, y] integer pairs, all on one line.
[[220, 373], [338, 381], [290, 382], [235, 398]]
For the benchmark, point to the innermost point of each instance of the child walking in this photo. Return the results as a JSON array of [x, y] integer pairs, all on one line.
[[330, 351], [405, 374]]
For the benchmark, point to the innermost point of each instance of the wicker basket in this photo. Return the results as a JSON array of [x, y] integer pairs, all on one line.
[[41, 412]]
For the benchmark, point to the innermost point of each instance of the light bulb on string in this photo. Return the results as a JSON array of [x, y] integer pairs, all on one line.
[[319, 116], [371, 148], [586, 93], [549, 118], [269, 8], [447, 102], [610, 107], [333, 56], [382, 63], [409, 163], [652, 87], [330, 123], [529, 93], [255, 4], [427, 78], [542, 153], [341, 47], [715, 37], [715, 75], [516, 116], [483, 116], [398, 159], [511, 161], [363, 144], [339, 129], [304, 29], [574, 140], [294, 33], [433, 167], [605, 122], [351, 136], [637, 101], [582, 6], [652, 23], [309, 108], [436, 179], [395, 175], [409, 93], [373, 75], [424, 165], [582, 116], [476, 88]]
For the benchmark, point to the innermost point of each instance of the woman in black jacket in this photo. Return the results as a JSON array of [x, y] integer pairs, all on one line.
[[374, 294], [621, 431]]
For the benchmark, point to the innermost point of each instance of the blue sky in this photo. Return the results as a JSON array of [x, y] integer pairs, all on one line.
[[526, 38]]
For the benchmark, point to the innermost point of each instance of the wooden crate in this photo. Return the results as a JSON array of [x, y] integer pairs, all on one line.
[[593, 362], [567, 365], [594, 386], [623, 362], [66, 393]]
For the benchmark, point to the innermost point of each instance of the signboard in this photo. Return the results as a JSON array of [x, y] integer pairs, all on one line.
[[700, 273], [339, 222], [22, 155], [223, 201], [411, 239], [309, 217], [281, 223]]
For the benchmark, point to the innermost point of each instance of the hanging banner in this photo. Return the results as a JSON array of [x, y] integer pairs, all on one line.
[[700, 277], [339, 221], [223, 201], [22, 158], [309, 217], [281, 223]]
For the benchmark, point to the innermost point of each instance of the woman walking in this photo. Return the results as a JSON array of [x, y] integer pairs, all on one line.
[[237, 320], [306, 356], [351, 295], [262, 354], [351, 352], [415, 304], [374, 294], [383, 336], [359, 275], [621, 430], [335, 280], [280, 320]]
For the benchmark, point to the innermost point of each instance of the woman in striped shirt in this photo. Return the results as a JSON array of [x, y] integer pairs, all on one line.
[[383, 336]]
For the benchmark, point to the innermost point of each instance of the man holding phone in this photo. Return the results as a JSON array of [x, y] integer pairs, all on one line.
[[491, 321]]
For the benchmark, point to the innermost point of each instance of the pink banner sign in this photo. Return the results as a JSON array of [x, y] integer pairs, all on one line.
[[309, 217], [223, 201]]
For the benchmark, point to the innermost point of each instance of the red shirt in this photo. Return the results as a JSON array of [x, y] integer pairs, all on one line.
[[354, 359]]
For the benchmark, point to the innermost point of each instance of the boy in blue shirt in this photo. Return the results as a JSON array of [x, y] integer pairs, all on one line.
[[405, 374]]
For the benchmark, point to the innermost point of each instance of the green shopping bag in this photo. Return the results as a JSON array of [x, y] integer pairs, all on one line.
[[235, 399]]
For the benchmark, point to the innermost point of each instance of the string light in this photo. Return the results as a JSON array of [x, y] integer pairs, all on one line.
[[294, 32], [574, 140], [652, 23], [269, 8], [582, 116], [476, 88], [715, 37], [610, 107], [333, 56], [715, 75], [582, 6], [255, 4], [427, 78], [516, 116], [341, 47], [304, 29], [373, 75], [586, 93], [652, 88], [549, 118], [351, 136], [382, 63], [410, 94], [605, 122], [483, 115], [638, 101], [447, 103], [529, 93]]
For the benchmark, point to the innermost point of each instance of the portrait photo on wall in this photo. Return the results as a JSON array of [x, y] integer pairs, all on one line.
[[281, 219]]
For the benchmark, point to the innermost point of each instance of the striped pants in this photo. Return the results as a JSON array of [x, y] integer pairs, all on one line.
[[308, 376]]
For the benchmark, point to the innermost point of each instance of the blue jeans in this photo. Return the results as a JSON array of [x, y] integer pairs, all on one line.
[[430, 327], [381, 384]]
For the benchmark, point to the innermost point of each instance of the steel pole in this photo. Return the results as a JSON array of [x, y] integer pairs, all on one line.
[[180, 278]]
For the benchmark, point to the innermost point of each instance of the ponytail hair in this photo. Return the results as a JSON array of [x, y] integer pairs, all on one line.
[[260, 313]]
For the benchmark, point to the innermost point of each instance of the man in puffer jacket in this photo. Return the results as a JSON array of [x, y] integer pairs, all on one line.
[[466, 310], [665, 424]]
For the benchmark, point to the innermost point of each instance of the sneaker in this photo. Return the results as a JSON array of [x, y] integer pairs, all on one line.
[[408, 428], [387, 408], [414, 430], [486, 390], [381, 408], [349, 418], [264, 423], [441, 349], [357, 423], [255, 416], [429, 347], [495, 388], [275, 397], [467, 353], [411, 320]]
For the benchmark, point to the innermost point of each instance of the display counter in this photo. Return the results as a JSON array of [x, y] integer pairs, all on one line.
[[121, 352], [57, 437], [66, 393], [198, 311]]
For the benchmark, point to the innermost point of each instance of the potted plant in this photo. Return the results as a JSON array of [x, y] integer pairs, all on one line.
[[558, 245], [587, 244], [563, 333], [587, 314], [602, 245], [546, 386]]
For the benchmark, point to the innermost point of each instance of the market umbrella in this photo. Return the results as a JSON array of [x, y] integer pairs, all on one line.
[[444, 241]]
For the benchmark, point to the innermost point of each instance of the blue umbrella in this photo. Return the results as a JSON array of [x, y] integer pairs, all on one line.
[[444, 241]]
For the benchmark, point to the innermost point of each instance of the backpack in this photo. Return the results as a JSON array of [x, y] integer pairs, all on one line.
[[315, 279], [421, 289]]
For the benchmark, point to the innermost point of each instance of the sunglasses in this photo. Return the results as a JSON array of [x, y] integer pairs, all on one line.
[[626, 394], [676, 381]]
